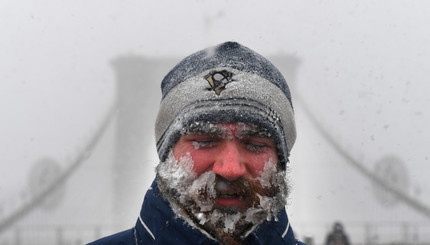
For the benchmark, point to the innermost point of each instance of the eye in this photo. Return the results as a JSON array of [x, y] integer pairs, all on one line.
[[206, 143], [258, 144], [255, 146], [202, 141]]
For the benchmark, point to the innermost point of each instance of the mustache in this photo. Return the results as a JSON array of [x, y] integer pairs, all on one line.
[[236, 188], [244, 189]]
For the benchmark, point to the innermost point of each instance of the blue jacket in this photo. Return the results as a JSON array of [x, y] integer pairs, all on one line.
[[157, 225]]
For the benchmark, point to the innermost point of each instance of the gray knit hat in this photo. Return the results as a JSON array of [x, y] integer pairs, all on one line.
[[225, 83]]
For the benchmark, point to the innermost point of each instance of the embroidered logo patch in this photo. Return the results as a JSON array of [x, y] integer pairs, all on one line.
[[218, 79]]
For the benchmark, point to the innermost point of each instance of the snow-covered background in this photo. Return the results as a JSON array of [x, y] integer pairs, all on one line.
[[362, 71]]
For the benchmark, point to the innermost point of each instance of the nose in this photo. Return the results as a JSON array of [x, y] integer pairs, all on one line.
[[230, 163]]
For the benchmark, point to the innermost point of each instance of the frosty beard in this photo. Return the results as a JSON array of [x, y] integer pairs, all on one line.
[[193, 198]]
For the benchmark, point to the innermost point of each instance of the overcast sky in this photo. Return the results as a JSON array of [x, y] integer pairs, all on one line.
[[363, 71]]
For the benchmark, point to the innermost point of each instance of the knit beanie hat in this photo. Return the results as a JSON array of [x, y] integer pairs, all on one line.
[[225, 84]]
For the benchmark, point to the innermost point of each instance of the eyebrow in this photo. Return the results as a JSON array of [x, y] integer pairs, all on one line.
[[204, 128], [218, 130], [254, 131]]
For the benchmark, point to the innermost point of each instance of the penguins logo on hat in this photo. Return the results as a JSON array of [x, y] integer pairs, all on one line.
[[218, 79]]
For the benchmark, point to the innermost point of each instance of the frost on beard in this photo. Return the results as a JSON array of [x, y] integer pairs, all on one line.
[[180, 185], [192, 197], [205, 182], [178, 175], [268, 172]]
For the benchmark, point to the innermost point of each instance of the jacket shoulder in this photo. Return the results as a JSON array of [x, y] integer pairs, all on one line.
[[121, 238]]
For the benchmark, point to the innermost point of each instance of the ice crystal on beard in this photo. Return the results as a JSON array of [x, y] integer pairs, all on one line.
[[267, 174], [227, 220], [266, 203], [251, 213], [180, 175], [230, 222], [180, 184], [204, 188]]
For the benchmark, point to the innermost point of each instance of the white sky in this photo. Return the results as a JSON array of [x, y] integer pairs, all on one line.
[[364, 69]]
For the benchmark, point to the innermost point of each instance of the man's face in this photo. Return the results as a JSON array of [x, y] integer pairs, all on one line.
[[232, 151], [224, 177]]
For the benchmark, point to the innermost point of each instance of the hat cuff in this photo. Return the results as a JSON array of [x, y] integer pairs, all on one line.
[[225, 111]]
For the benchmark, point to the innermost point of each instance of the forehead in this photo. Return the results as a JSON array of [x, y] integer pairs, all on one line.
[[225, 129]]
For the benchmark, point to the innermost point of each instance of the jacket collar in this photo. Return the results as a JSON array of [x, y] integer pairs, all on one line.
[[159, 224]]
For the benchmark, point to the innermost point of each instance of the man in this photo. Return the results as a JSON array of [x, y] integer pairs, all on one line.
[[224, 132], [337, 236]]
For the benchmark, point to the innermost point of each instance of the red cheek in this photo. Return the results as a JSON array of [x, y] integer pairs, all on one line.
[[256, 166], [203, 161]]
